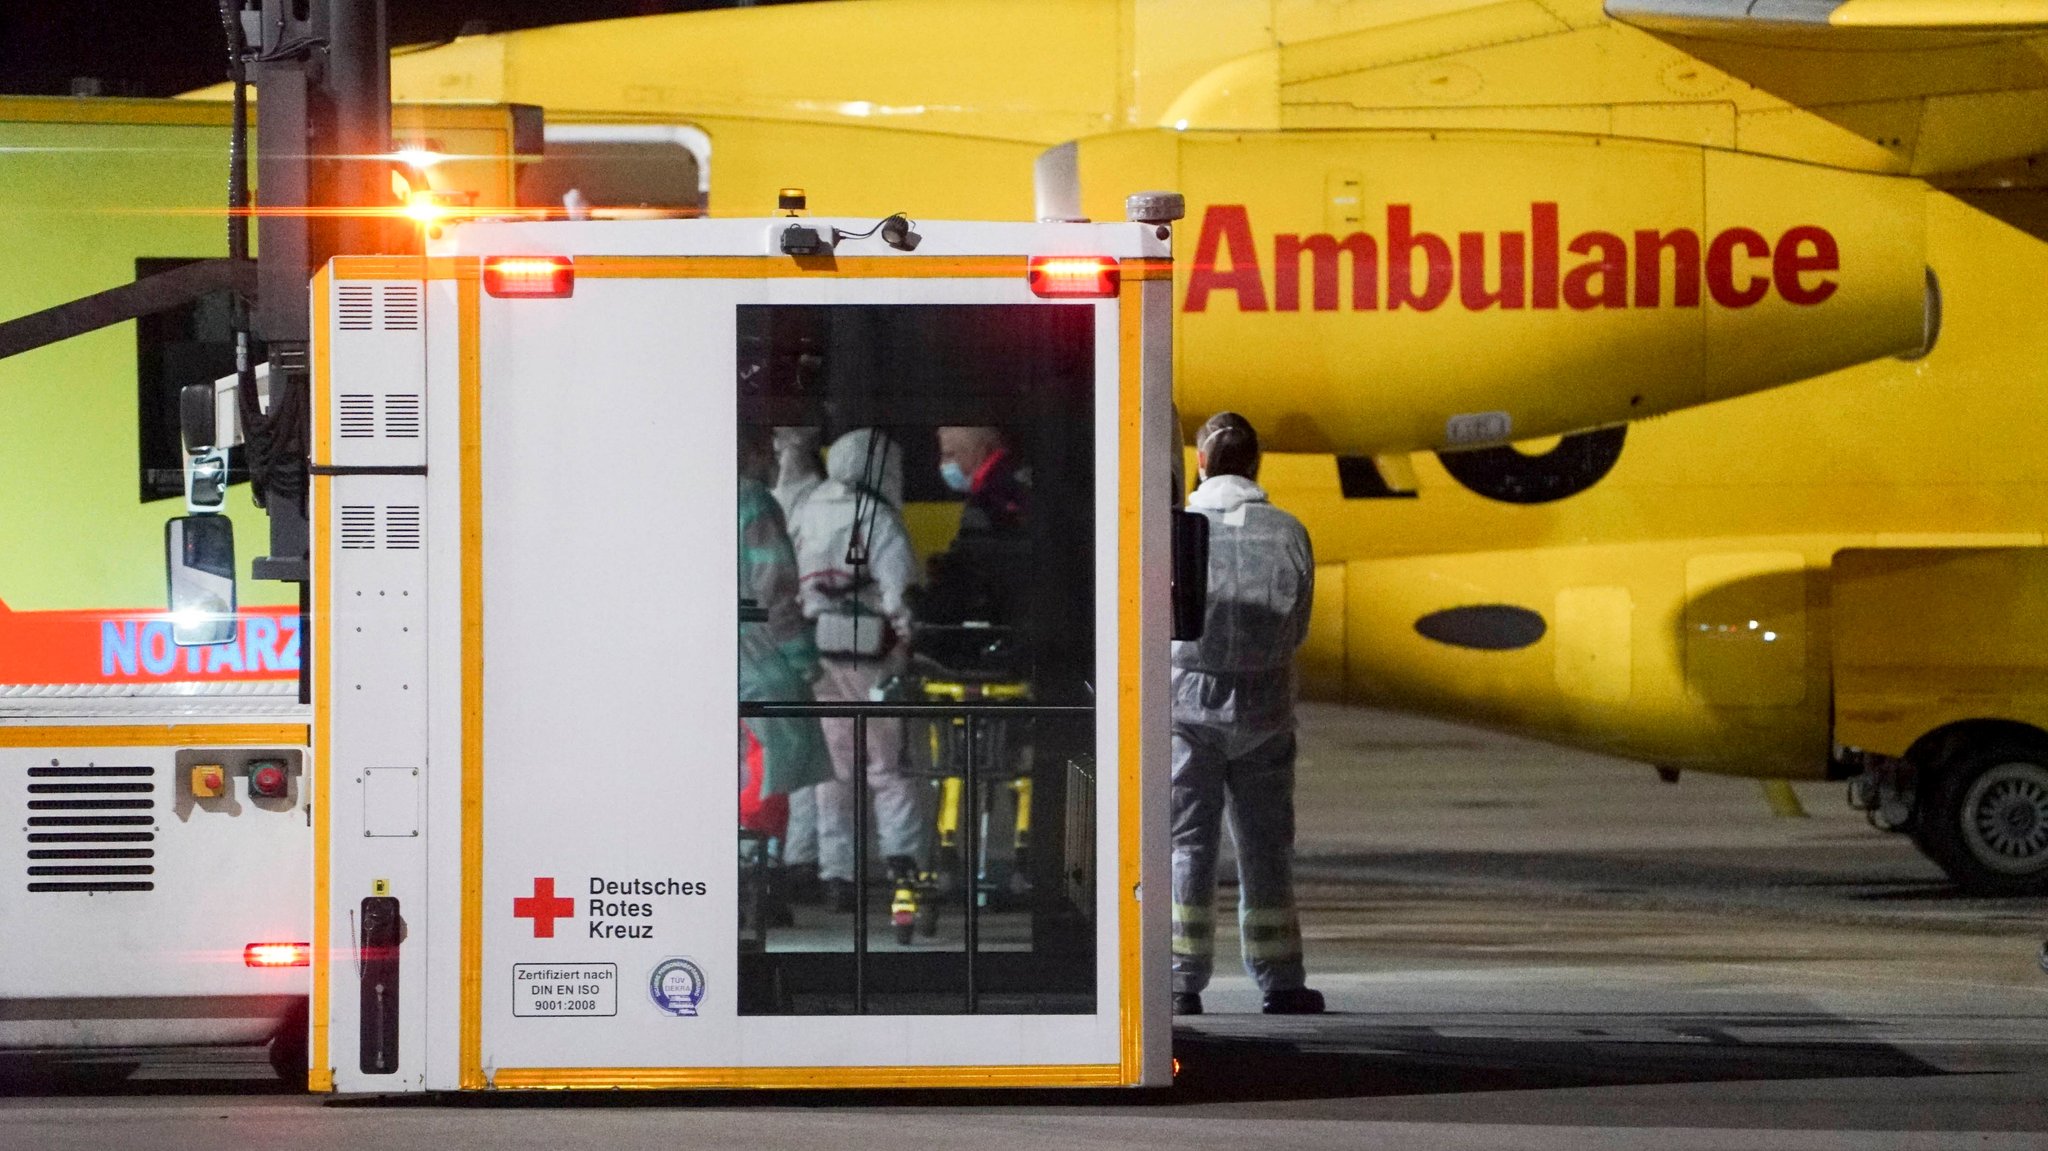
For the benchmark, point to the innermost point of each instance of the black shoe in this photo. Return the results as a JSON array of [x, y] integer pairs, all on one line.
[[839, 895], [1187, 1003], [800, 883], [1294, 1001]]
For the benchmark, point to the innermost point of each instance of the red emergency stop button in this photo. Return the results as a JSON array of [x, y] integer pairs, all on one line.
[[208, 781], [268, 779]]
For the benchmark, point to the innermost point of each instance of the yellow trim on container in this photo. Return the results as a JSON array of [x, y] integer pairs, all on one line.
[[734, 268], [469, 317], [1130, 678], [784, 267], [398, 267], [1130, 702], [158, 735], [317, 1039], [672, 1078]]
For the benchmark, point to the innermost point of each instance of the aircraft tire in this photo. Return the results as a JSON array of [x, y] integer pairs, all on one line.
[[1985, 816], [1511, 476]]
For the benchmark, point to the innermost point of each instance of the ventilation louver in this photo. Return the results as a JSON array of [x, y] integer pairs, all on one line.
[[385, 308], [401, 308], [355, 307], [402, 416], [400, 523], [358, 416], [402, 527], [89, 829]]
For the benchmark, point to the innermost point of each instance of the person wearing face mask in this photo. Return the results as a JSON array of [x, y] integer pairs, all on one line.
[[977, 463], [1233, 728], [857, 565], [984, 576]]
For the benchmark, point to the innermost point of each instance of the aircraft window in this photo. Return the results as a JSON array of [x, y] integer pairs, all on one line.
[[980, 892], [192, 344], [620, 169]]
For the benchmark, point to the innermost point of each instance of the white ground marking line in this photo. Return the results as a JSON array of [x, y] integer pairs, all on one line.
[[1866, 979]]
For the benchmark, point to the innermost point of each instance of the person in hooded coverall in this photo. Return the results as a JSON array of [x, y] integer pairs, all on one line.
[[798, 472], [797, 468], [778, 659], [1233, 728], [857, 562]]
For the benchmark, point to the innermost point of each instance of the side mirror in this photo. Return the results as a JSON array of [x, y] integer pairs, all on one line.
[[1190, 574], [199, 554]]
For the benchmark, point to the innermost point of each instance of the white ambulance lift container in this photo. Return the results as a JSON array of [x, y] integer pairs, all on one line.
[[525, 649]]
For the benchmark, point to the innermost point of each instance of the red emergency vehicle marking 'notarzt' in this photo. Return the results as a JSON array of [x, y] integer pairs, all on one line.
[[543, 907], [133, 646], [1424, 270]]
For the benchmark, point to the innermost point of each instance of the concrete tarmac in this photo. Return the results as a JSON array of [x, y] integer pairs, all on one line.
[[1524, 947]]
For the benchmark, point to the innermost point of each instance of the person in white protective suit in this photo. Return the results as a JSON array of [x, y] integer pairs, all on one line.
[[1233, 728], [798, 472], [856, 563]]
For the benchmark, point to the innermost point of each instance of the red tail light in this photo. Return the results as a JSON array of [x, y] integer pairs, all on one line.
[[530, 277], [1057, 277], [278, 954]]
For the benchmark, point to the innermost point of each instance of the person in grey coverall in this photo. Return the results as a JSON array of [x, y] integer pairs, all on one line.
[[1233, 728]]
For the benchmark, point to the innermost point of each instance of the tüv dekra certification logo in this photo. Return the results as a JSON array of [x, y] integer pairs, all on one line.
[[677, 986]]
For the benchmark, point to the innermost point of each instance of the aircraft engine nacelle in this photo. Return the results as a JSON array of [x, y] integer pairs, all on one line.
[[1369, 293]]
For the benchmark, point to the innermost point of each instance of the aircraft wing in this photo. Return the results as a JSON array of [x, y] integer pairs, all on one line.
[[1939, 87], [1761, 19]]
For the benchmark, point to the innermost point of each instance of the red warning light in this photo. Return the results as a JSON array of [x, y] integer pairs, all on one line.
[[1063, 277], [278, 954], [530, 277]]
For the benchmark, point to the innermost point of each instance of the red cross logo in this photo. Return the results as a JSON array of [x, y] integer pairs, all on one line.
[[543, 907]]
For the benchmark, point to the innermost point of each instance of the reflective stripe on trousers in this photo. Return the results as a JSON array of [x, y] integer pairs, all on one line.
[[1256, 788], [1194, 932]]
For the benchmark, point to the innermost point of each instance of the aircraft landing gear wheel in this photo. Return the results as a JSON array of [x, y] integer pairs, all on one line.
[[1986, 817], [288, 1050]]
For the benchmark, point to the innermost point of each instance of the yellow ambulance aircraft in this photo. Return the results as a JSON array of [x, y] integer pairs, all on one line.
[[1661, 378], [1425, 234]]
